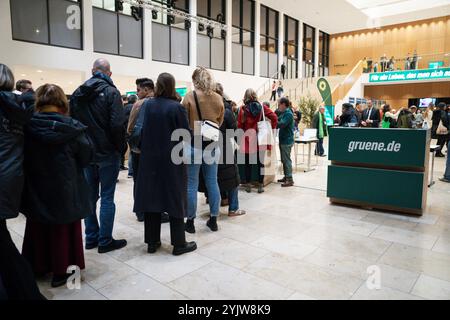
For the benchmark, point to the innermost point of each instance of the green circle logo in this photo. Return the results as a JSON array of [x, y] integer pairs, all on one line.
[[322, 86]]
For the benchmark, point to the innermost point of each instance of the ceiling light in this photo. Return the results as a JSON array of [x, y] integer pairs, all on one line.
[[37, 30], [39, 71]]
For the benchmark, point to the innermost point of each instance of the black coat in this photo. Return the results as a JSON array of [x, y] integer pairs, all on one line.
[[161, 184], [228, 173], [13, 115], [374, 116], [56, 151], [438, 116], [98, 105]]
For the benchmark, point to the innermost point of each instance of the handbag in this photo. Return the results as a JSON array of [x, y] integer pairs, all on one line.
[[208, 129], [265, 133], [441, 129]]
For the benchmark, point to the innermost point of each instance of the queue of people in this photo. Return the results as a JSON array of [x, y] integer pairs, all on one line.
[[84, 140]]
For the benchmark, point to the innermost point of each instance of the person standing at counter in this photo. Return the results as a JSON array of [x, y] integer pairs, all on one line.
[[440, 127], [320, 123], [371, 116]]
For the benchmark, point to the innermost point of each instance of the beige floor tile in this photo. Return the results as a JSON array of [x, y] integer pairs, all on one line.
[[432, 288], [312, 280], [418, 260], [86, 292], [284, 246], [401, 236], [221, 282], [233, 253], [164, 267], [300, 296], [384, 293], [396, 278], [139, 287]]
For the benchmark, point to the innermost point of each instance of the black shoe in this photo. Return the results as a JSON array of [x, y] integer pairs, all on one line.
[[59, 281], [440, 155], [212, 224], [123, 168], [91, 246], [114, 245], [165, 218], [189, 227], [282, 180], [188, 247], [152, 248], [444, 180], [261, 188], [140, 217]]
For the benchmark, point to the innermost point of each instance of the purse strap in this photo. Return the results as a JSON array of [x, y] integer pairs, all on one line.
[[198, 106]]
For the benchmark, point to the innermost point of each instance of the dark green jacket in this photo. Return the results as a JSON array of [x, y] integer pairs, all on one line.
[[316, 123], [286, 126]]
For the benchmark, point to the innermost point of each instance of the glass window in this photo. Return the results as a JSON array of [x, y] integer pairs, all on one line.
[[218, 54], [105, 31], [236, 13], [247, 13], [263, 21], [273, 24], [179, 46], [161, 36], [244, 35], [203, 51], [309, 43], [202, 8], [130, 37], [291, 47], [53, 22]]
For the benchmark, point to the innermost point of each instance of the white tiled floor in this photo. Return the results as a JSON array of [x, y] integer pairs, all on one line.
[[292, 244]]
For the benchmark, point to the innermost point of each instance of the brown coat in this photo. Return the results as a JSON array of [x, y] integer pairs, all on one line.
[[211, 107], [134, 115]]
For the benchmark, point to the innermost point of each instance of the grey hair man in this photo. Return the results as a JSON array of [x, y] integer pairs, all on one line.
[[98, 105]]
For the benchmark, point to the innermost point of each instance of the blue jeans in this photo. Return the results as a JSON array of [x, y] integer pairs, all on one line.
[[233, 200], [130, 165], [102, 179], [447, 168], [209, 165]]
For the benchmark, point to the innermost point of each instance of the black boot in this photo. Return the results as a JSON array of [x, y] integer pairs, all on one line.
[[114, 245], [189, 226], [188, 247], [152, 248], [59, 281], [165, 218], [212, 224]]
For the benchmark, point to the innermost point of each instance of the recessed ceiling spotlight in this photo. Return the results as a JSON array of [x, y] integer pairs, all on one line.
[[23, 75], [38, 31], [39, 71]]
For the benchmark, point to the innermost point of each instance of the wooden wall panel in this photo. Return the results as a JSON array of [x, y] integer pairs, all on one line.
[[427, 37], [398, 95]]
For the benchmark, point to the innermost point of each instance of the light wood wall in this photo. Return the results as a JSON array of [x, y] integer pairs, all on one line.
[[427, 37], [398, 95]]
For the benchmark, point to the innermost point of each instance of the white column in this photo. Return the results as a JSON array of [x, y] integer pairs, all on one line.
[[257, 38], [148, 36], [88, 33], [229, 39], [280, 41], [300, 49], [193, 35], [316, 54]]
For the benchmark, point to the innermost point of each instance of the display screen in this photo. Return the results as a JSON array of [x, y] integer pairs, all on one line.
[[424, 103]]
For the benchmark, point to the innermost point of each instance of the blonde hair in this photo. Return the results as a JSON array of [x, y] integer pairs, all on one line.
[[250, 95], [203, 81]]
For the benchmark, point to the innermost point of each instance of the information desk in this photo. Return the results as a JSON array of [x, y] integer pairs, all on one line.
[[379, 168]]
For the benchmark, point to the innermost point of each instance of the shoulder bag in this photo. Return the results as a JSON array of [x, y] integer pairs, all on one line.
[[208, 129]]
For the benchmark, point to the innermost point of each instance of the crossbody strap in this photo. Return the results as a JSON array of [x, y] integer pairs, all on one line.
[[198, 106]]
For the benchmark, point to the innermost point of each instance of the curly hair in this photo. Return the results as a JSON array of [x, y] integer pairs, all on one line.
[[203, 81]]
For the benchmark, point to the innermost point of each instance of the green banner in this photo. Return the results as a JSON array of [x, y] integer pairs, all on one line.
[[381, 147], [410, 75], [325, 91], [329, 115]]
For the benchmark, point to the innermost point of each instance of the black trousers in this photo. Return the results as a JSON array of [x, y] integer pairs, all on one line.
[[249, 167], [16, 274], [152, 227], [274, 96], [135, 157], [319, 148], [441, 141]]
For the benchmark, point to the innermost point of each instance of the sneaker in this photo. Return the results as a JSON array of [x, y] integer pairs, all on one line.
[[114, 245], [288, 183], [444, 180], [165, 218], [189, 227], [152, 248], [188, 247], [212, 224]]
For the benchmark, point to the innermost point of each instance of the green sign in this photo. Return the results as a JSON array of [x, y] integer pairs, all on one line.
[[325, 91], [182, 91], [435, 64], [329, 115], [411, 75], [131, 93], [379, 147]]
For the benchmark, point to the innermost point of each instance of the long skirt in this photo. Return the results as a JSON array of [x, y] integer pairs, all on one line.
[[51, 248]]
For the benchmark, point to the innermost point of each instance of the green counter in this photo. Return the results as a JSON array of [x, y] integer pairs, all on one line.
[[379, 168]]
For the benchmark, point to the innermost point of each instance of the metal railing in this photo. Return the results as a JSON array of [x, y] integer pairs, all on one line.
[[409, 62]]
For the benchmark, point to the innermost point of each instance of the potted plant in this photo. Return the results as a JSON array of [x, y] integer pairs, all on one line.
[[308, 106]]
